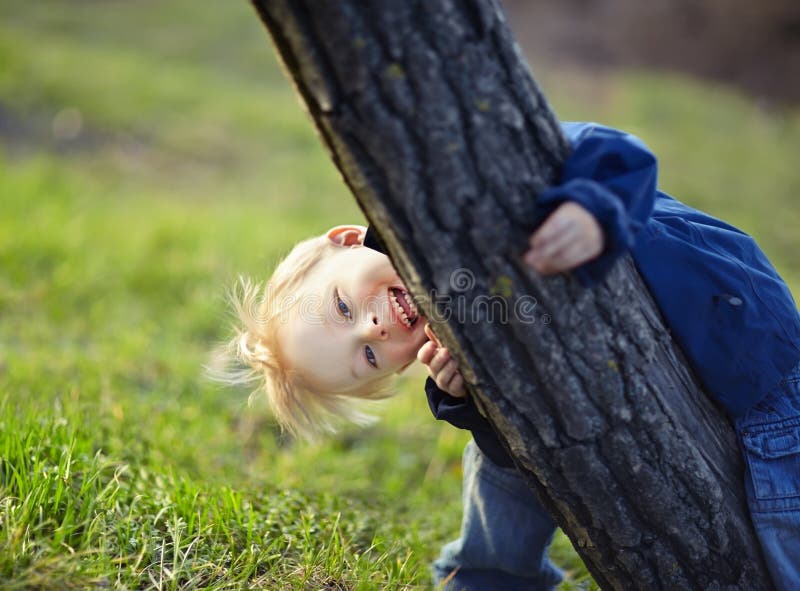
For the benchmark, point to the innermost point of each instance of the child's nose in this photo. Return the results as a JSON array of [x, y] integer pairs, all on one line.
[[375, 329]]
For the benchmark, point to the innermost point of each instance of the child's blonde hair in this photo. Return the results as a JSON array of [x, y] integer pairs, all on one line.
[[253, 355]]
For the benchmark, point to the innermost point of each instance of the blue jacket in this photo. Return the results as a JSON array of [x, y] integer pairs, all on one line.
[[724, 303]]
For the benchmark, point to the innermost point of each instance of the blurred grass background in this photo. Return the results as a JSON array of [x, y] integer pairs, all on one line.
[[149, 153]]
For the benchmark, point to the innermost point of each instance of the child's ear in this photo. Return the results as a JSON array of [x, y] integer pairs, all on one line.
[[347, 235]]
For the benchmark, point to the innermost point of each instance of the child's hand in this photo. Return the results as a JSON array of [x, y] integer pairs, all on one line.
[[441, 367], [569, 237]]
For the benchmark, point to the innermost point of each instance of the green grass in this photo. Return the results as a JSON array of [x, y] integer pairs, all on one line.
[[120, 466]]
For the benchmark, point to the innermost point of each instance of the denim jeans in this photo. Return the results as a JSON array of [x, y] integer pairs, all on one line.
[[769, 435], [505, 534]]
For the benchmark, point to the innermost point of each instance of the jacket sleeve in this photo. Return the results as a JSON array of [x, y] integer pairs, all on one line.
[[613, 175], [462, 413]]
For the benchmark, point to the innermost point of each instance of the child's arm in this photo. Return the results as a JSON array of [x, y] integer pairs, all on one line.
[[450, 403], [611, 175]]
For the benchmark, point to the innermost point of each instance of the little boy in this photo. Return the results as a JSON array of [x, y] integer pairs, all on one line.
[[335, 322]]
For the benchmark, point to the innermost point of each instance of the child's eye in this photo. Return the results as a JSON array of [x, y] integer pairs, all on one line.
[[370, 356], [342, 307]]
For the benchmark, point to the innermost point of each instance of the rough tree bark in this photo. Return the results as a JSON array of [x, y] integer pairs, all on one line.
[[437, 126]]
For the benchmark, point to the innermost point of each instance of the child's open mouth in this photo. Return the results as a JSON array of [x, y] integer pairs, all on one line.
[[403, 306]]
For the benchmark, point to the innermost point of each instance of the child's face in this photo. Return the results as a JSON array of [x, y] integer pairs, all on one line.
[[347, 329]]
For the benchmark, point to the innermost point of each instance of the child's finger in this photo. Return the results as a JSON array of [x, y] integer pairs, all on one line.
[[426, 352], [541, 253], [549, 229], [544, 235], [547, 251], [573, 256], [553, 260], [439, 361], [457, 386], [431, 336], [555, 225], [445, 376]]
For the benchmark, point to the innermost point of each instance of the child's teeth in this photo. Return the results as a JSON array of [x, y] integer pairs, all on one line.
[[410, 302], [399, 309], [394, 296]]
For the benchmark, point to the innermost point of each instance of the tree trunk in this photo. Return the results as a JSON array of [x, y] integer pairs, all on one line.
[[438, 128]]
